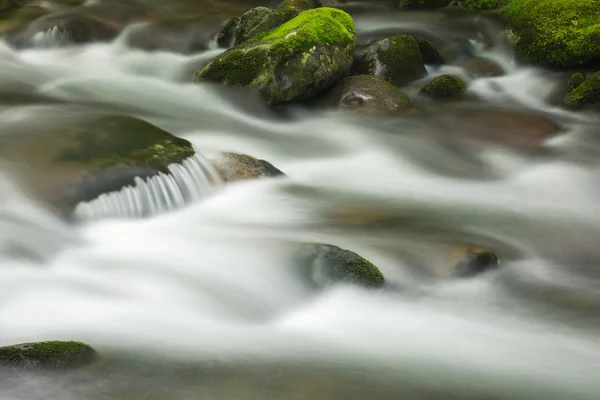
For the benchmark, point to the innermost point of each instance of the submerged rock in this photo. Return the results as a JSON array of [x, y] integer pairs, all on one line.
[[557, 33], [366, 94], [327, 265], [444, 86], [475, 260], [587, 92], [297, 60], [397, 60], [52, 354], [236, 167], [479, 67]]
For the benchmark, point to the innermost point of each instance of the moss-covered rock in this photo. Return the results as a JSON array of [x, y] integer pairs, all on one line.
[[480, 67], [297, 60], [67, 158], [484, 4], [556, 33], [585, 93], [397, 60], [423, 4], [575, 80], [368, 95], [52, 354], [475, 260], [429, 52], [260, 20], [300, 5], [226, 36], [444, 86], [236, 167], [325, 265], [564, 83]]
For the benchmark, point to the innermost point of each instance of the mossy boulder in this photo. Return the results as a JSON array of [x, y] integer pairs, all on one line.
[[429, 52], [489, 5], [260, 20], [324, 265], [300, 5], [367, 95], [236, 167], [587, 92], [295, 61], [556, 33], [397, 60], [564, 84], [423, 4], [474, 260], [67, 158], [444, 86], [52, 354], [480, 67]]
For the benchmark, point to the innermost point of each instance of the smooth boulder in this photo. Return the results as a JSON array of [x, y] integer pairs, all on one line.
[[235, 167], [480, 67], [367, 95], [444, 86], [51, 354], [295, 61], [325, 265], [397, 60]]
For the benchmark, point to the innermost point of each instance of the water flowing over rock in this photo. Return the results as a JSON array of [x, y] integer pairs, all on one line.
[[52, 354], [444, 86], [297, 60]]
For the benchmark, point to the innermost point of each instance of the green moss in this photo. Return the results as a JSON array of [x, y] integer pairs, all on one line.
[[587, 92], [575, 80], [117, 142], [556, 33], [444, 86], [310, 28], [329, 264], [295, 60], [46, 354]]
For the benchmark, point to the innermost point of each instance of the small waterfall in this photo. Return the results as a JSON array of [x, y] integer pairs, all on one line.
[[185, 183], [53, 37]]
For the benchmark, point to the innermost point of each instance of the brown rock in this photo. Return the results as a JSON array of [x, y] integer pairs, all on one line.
[[479, 67], [236, 167]]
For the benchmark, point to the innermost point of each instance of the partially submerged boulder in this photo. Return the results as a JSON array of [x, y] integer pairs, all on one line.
[[557, 33], [397, 60], [587, 92], [326, 264], [429, 52], [51, 354], [67, 159], [368, 95], [475, 260], [297, 60], [235, 167], [444, 86], [480, 67]]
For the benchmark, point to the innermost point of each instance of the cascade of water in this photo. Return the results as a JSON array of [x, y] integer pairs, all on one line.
[[187, 182], [53, 37]]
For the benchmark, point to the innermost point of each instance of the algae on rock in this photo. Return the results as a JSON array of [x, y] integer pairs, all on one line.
[[51, 354], [297, 60], [444, 86], [397, 60], [327, 264]]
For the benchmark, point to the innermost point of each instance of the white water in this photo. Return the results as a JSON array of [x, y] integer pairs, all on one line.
[[213, 281]]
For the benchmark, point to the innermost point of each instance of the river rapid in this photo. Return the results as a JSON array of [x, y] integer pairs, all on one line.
[[200, 302]]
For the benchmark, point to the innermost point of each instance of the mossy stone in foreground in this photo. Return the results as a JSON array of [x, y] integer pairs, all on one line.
[[52, 354], [556, 33], [327, 264], [397, 60], [297, 60], [367, 95], [444, 86], [585, 93]]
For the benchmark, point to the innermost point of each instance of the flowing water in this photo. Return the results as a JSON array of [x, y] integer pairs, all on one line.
[[201, 302]]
